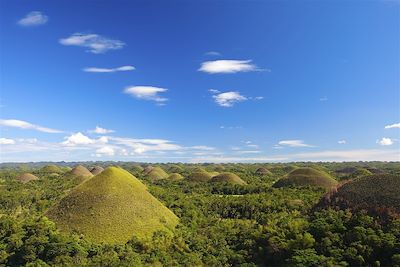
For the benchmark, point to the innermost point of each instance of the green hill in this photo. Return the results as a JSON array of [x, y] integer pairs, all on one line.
[[156, 173], [175, 177], [228, 177], [262, 171], [173, 168], [378, 194], [199, 176], [27, 177], [96, 170], [307, 177], [51, 169], [112, 207]]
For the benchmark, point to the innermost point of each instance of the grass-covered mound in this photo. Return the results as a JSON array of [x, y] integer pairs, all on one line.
[[175, 177], [174, 168], [96, 170], [81, 171], [27, 177], [199, 176], [112, 207], [228, 177], [378, 194], [307, 177], [263, 171], [51, 169], [156, 173]]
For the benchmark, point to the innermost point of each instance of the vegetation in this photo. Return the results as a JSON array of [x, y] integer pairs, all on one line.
[[307, 176], [27, 177], [220, 224], [81, 171], [112, 207], [227, 177], [175, 177], [156, 173], [96, 170]]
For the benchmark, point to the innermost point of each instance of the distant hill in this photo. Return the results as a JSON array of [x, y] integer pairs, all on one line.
[[175, 177], [156, 173], [112, 207], [199, 175], [27, 177], [306, 176], [378, 194], [227, 177], [262, 171], [96, 170], [51, 169], [81, 171]]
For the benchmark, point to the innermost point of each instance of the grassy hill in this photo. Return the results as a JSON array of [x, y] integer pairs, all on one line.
[[378, 194], [175, 177], [27, 177], [262, 171], [81, 171], [96, 170], [112, 207], [199, 176], [51, 169], [228, 177], [156, 173], [306, 176]]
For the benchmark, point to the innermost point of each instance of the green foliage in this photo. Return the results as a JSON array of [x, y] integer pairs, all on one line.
[[220, 224]]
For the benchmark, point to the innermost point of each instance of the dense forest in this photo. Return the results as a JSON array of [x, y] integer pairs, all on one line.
[[246, 222]]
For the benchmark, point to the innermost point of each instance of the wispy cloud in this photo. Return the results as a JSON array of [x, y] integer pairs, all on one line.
[[293, 143], [107, 70], [147, 93], [395, 125], [6, 141], [26, 125], [323, 99], [342, 142], [100, 130], [95, 43], [33, 18], [385, 141], [228, 99], [228, 66], [212, 53], [105, 151]]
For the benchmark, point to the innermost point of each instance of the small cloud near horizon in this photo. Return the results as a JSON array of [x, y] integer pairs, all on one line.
[[228, 66], [95, 43], [108, 70]]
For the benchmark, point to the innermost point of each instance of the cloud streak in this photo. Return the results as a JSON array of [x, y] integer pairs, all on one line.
[[293, 143], [34, 18], [109, 70], [228, 66], [147, 93], [95, 43], [27, 126], [391, 126]]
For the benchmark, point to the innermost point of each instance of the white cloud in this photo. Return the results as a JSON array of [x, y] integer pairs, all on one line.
[[395, 125], [99, 130], [385, 141], [214, 91], [228, 66], [26, 125], [293, 143], [212, 53], [105, 70], [78, 139], [33, 18], [348, 155], [105, 151], [95, 43], [147, 93], [6, 141], [342, 142], [228, 99]]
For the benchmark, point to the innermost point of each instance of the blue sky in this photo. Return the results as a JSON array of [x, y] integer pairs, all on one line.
[[200, 81]]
